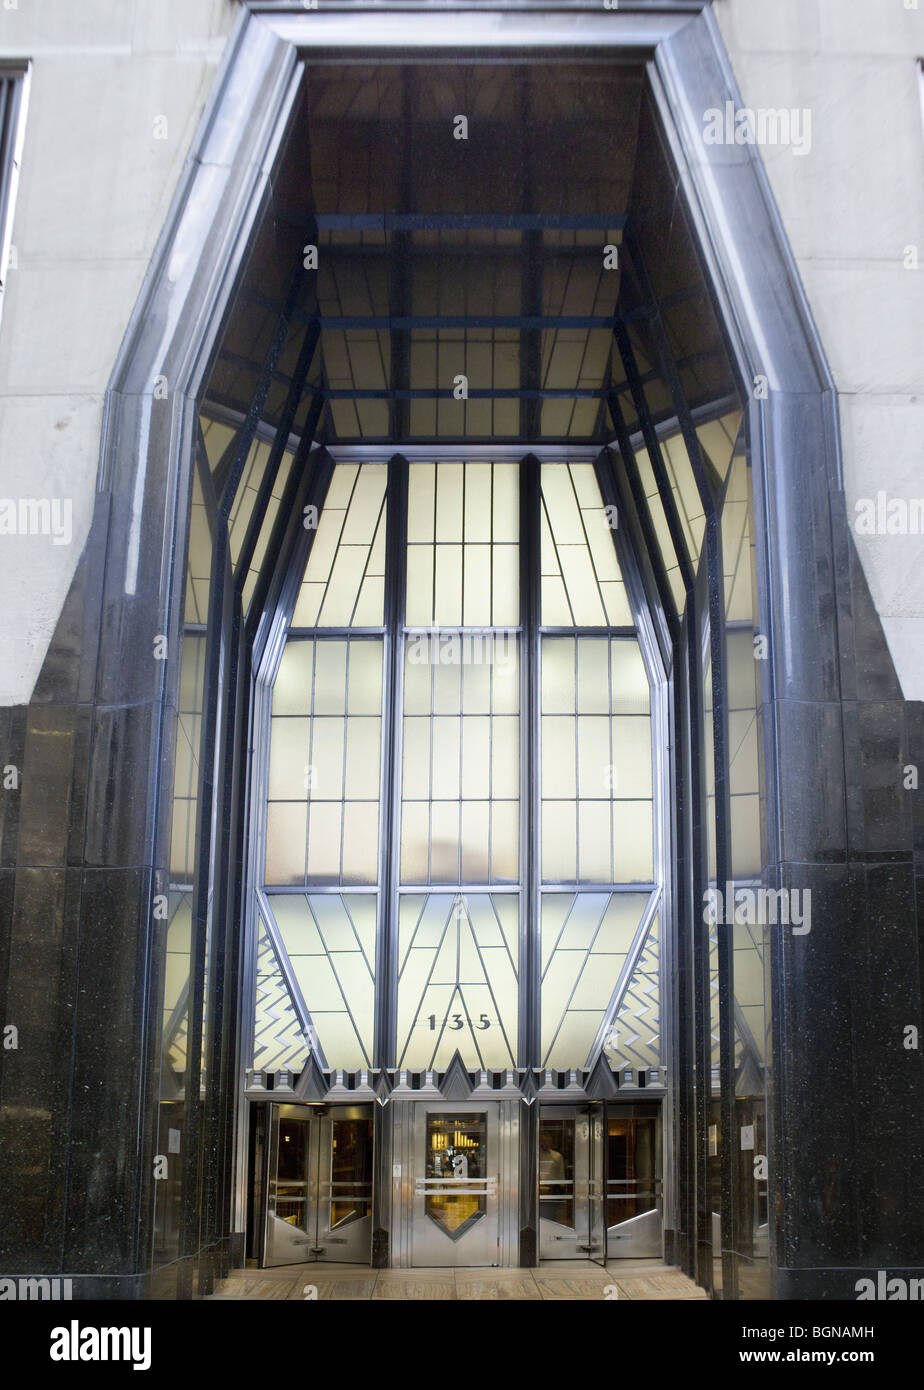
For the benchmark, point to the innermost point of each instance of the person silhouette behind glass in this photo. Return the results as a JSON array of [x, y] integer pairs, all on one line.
[[552, 1168]]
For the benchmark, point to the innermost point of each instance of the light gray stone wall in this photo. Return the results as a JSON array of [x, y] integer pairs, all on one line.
[[99, 169], [852, 207], [96, 185]]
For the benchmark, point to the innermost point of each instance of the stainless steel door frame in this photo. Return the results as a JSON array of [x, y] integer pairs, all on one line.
[[477, 1241], [300, 1222], [410, 1222], [596, 1184]]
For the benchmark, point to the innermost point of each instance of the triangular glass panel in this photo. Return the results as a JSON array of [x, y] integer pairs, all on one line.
[[582, 584], [344, 580], [329, 942], [457, 981], [586, 938]]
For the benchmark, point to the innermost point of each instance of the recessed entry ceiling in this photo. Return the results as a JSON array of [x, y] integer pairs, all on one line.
[[461, 215]]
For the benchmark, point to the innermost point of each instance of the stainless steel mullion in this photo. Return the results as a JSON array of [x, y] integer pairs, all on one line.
[[530, 572], [610, 717], [390, 816], [346, 704]]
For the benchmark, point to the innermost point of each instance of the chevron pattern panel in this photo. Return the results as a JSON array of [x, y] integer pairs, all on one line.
[[278, 1042], [638, 1019]]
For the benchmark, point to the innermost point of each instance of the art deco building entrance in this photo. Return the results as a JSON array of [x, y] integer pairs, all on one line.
[[467, 716], [457, 830]]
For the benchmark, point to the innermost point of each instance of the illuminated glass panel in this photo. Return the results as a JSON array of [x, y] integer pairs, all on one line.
[[634, 1040], [217, 437], [596, 762], [463, 545], [582, 585], [322, 819], [344, 580], [199, 559], [718, 440], [329, 941], [186, 758], [662, 533], [460, 768], [266, 530], [457, 979], [585, 940], [176, 983]]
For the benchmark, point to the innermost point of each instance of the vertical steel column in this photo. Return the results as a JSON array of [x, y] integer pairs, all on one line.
[[530, 917], [393, 680]]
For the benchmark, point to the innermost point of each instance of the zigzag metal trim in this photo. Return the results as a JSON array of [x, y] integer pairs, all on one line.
[[279, 1043], [638, 1018]]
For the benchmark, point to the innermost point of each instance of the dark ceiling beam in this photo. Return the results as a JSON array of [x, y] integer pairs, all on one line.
[[475, 393], [410, 322], [234, 360], [400, 277], [531, 277], [469, 221]]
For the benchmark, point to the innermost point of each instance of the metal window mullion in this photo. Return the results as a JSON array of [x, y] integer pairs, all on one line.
[[723, 865], [643, 516], [385, 1037], [530, 612], [208, 734], [655, 458], [671, 377], [255, 409], [277, 449]]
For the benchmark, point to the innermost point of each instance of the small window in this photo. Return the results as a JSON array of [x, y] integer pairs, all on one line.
[[14, 90]]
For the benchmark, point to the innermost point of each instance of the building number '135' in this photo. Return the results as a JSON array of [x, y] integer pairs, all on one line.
[[456, 1021]]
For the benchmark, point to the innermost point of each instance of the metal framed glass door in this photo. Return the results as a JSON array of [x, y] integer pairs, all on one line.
[[319, 1185], [455, 1208], [571, 1183], [633, 1186]]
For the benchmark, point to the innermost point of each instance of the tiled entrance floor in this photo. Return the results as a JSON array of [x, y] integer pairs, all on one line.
[[565, 1280]]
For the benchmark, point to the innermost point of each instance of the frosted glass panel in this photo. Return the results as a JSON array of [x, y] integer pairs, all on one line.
[[325, 762], [188, 730], [585, 943], [460, 775], [457, 979], [582, 584], [596, 762], [328, 941], [463, 553], [343, 581], [717, 441]]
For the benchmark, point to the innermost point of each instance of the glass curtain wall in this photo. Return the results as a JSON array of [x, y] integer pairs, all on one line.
[[682, 446], [403, 809]]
